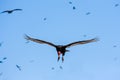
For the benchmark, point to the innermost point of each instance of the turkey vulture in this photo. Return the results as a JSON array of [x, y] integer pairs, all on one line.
[[10, 11], [61, 49]]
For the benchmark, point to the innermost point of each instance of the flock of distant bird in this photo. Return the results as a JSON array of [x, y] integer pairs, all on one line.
[[11, 11], [4, 58], [61, 49]]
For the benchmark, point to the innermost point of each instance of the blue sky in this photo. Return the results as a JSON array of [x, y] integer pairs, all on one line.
[[94, 61]]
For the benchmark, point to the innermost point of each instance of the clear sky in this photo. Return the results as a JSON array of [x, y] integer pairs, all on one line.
[[60, 22]]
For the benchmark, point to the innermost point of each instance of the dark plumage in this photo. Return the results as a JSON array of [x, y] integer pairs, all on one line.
[[10, 11], [61, 49]]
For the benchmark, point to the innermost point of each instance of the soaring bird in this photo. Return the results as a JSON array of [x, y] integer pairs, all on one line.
[[61, 49], [10, 11]]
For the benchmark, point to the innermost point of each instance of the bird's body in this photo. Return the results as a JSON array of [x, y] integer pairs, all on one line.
[[61, 49], [10, 11]]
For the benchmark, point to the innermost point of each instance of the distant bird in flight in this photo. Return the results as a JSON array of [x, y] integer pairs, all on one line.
[[61, 67], [116, 5], [11, 11], [1, 61], [74, 7], [61, 49], [1, 44], [70, 2], [1, 74], [18, 67], [45, 19], [88, 13], [4, 58], [52, 68]]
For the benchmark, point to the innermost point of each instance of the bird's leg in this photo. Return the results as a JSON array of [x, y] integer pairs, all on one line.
[[62, 58], [58, 58]]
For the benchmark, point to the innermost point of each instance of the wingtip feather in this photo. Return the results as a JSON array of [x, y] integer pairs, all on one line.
[[96, 39]]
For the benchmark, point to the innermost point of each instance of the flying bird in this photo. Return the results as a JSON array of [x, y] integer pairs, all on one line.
[[18, 67], [1, 61], [74, 7], [70, 2], [61, 67], [4, 58], [116, 5], [61, 49], [88, 13], [52, 68], [45, 19], [1, 73], [1, 44], [11, 11]]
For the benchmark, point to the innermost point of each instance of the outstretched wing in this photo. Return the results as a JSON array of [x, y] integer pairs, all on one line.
[[39, 41], [17, 9], [4, 11], [81, 42]]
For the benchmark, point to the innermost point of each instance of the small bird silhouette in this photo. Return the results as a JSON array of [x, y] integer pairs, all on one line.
[[4, 58], [116, 5], [1, 73], [11, 11], [74, 7], [61, 67], [52, 68], [45, 19], [18, 67], [88, 13], [61, 49], [1, 61], [70, 2], [1, 44]]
